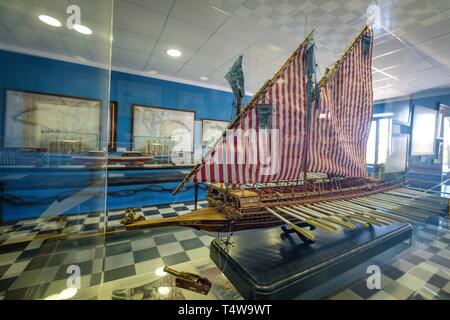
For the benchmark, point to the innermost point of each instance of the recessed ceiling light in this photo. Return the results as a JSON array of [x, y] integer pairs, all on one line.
[[204, 78], [174, 53], [50, 20], [82, 29], [153, 72]]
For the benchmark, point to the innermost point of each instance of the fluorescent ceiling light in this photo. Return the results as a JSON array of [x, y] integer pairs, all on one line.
[[82, 29], [174, 53], [204, 78], [50, 20]]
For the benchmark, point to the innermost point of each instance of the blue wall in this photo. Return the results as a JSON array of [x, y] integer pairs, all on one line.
[[29, 73]]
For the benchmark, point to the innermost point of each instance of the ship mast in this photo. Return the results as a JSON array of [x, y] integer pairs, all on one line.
[[252, 103]]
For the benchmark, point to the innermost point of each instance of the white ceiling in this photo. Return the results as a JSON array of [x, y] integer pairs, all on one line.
[[412, 48]]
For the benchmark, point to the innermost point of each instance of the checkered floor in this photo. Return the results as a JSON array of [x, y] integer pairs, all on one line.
[[87, 222], [419, 273], [37, 268]]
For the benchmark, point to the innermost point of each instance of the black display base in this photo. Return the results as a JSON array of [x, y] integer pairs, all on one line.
[[272, 264]]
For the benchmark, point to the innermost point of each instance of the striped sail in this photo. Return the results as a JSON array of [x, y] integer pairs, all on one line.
[[341, 121], [281, 146], [252, 151]]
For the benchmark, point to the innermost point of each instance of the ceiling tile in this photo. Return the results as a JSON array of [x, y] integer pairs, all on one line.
[[435, 46], [131, 41], [137, 19], [199, 13], [162, 6], [129, 59], [77, 46], [5, 34], [193, 72], [25, 35], [99, 53], [50, 39], [212, 33], [205, 60], [239, 28], [224, 46], [419, 33], [185, 34]]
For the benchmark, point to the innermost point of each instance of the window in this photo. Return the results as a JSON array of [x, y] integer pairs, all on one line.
[[379, 141], [424, 131]]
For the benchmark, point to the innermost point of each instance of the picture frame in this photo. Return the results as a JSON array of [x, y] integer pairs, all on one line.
[[211, 131], [43, 121], [166, 133]]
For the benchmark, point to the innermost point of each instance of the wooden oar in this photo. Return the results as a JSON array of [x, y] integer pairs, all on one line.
[[353, 215], [330, 218], [308, 219], [393, 201], [391, 209], [366, 213], [342, 216], [422, 200], [350, 205], [306, 233]]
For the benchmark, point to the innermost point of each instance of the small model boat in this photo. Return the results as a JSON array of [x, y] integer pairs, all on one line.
[[99, 157]]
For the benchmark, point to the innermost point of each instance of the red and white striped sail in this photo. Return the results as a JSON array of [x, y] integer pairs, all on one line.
[[341, 123], [249, 153]]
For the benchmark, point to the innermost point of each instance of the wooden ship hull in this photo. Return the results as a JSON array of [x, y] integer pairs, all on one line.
[[359, 204], [232, 210]]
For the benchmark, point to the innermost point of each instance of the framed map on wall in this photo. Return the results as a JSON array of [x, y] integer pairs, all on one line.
[[164, 133], [50, 122], [211, 131]]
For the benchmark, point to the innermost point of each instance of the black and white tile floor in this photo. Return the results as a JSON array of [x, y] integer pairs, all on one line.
[[420, 272], [37, 268]]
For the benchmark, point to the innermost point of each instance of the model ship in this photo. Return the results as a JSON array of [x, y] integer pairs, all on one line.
[[296, 154], [99, 157]]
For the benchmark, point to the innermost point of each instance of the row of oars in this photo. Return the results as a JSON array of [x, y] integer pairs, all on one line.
[[381, 204], [423, 200], [409, 203], [428, 195], [328, 216], [419, 201], [378, 209]]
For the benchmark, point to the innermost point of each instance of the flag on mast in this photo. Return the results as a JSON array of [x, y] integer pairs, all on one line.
[[235, 78]]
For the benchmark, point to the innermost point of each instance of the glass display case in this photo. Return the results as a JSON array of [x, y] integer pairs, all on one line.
[[112, 165], [56, 66]]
